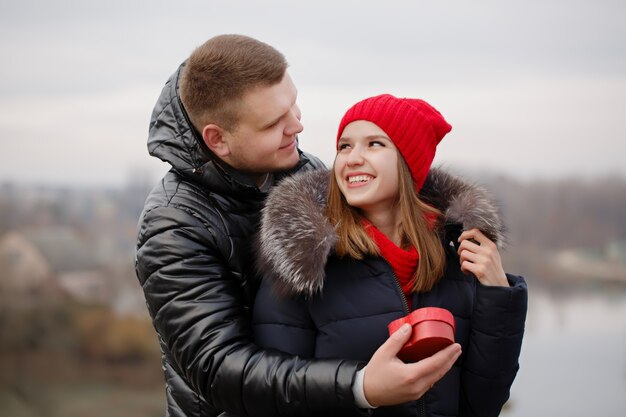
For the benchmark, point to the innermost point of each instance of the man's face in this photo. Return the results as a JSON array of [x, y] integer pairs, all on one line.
[[265, 138]]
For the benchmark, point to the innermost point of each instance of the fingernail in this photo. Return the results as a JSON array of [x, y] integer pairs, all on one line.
[[405, 328]]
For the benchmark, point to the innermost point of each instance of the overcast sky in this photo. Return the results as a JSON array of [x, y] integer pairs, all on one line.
[[533, 89]]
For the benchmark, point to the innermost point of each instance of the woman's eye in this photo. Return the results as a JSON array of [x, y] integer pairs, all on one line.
[[342, 146], [376, 143]]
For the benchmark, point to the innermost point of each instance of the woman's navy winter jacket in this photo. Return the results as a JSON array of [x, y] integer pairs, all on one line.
[[333, 307]]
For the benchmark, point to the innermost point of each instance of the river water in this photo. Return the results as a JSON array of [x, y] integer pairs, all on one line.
[[573, 360]]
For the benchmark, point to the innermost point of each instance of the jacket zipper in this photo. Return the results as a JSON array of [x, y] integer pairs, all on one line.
[[405, 305], [421, 406], [421, 403]]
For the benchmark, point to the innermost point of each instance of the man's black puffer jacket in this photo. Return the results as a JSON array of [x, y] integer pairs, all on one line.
[[194, 263]]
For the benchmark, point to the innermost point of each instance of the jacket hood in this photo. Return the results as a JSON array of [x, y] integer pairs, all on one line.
[[296, 238], [173, 139]]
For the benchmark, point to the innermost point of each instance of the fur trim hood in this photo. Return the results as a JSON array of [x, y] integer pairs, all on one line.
[[296, 238]]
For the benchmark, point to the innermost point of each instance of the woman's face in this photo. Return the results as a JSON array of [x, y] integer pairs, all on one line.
[[366, 167]]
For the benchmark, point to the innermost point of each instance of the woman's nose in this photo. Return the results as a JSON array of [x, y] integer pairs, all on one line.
[[355, 157]]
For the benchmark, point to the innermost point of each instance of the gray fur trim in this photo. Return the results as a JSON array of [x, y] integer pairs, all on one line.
[[295, 237], [464, 203]]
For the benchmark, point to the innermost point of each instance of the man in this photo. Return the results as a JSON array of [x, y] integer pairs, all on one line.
[[227, 122]]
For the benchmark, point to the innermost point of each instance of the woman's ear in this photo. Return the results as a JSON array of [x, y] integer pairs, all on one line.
[[213, 137]]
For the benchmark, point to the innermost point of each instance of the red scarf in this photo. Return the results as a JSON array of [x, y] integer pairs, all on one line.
[[403, 262]]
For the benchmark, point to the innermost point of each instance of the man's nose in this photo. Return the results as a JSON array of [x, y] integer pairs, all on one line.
[[295, 125]]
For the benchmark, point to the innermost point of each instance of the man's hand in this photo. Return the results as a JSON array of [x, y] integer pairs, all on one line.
[[389, 381]]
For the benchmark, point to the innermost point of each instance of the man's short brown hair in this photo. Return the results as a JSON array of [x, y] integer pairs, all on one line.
[[218, 74]]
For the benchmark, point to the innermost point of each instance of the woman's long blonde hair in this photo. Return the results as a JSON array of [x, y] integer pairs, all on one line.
[[418, 228]]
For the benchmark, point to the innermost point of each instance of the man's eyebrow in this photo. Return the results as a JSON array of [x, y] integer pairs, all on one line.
[[272, 122], [277, 119]]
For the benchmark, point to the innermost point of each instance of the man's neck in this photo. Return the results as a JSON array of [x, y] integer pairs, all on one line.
[[264, 181]]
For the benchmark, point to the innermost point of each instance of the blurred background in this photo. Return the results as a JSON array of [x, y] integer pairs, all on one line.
[[536, 94]]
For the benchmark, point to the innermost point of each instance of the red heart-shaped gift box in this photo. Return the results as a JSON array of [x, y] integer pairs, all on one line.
[[433, 330]]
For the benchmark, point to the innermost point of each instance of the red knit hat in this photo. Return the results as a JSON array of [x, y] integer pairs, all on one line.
[[414, 126]]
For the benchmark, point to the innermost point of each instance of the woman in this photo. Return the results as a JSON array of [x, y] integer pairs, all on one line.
[[385, 237]]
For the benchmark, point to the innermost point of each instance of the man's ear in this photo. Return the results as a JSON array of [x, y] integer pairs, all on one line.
[[213, 137]]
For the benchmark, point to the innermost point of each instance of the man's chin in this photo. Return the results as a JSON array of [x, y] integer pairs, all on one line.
[[285, 167], [288, 163], [282, 166]]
